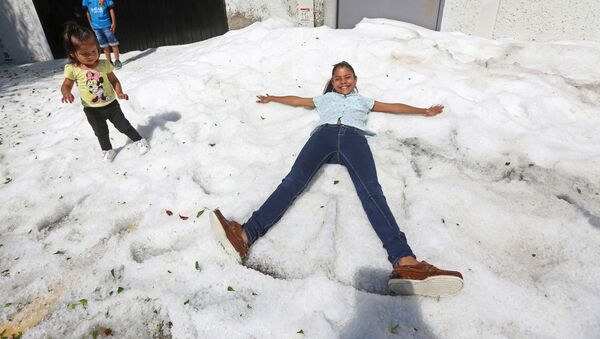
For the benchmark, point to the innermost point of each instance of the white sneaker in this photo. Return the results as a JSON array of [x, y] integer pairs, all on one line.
[[143, 146], [109, 155]]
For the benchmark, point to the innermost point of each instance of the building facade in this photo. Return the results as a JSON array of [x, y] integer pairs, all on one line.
[[22, 39]]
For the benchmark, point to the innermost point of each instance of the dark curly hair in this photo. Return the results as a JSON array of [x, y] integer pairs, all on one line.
[[73, 36]]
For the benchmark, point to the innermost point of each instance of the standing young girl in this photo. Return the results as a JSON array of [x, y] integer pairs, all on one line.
[[98, 88], [340, 139]]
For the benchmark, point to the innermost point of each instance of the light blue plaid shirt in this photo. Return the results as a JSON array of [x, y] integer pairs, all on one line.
[[351, 109]]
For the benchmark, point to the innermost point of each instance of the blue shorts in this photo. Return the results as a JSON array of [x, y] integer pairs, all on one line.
[[105, 37]]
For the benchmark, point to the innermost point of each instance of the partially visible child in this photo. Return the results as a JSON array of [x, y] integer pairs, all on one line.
[[101, 16], [98, 87]]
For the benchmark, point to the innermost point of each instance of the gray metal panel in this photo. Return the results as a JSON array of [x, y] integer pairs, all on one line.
[[425, 13]]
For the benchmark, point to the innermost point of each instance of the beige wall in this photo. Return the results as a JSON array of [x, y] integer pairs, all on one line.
[[241, 13], [525, 20]]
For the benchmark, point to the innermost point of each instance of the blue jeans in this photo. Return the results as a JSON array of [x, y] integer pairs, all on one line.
[[334, 144], [105, 37]]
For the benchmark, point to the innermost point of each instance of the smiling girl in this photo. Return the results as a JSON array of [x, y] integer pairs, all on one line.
[[340, 139], [98, 88]]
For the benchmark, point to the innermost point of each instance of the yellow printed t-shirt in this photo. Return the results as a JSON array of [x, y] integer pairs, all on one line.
[[94, 88]]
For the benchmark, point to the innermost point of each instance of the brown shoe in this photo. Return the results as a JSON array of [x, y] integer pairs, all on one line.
[[424, 279], [229, 235]]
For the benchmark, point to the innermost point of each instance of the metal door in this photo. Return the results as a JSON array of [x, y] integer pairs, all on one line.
[[425, 13], [140, 24]]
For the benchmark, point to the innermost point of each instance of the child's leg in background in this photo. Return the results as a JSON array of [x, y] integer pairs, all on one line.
[[103, 42], [97, 120], [115, 50], [112, 41], [116, 116], [107, 53]]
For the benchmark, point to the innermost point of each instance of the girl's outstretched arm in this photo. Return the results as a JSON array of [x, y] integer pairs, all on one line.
[[407, 109], [290, 100]]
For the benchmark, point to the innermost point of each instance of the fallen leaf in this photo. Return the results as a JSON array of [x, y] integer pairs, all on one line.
[[183, 217], [169, 213]]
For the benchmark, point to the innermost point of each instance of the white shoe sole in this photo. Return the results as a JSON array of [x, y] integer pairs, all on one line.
[[437, 286], [222, 237]]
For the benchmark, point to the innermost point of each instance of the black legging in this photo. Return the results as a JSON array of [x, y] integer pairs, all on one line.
[[97, 117]]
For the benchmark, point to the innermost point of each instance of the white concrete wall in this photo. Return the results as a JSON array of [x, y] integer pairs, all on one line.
[[525, 20], [22, 38]]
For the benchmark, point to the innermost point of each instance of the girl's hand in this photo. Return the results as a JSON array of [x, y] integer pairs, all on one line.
[[123, 96], [434, 110], [67, 98], [263, 99]]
